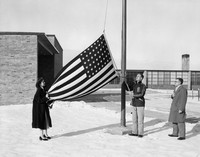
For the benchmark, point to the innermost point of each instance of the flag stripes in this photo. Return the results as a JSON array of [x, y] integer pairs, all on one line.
[[86, 73], [91, 85], [96, 87], [68, 74]]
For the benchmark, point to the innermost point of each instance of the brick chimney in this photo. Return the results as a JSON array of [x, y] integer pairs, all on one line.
[[185, 62]]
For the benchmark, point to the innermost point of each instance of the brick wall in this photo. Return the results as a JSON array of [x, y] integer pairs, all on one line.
[[18, 68]]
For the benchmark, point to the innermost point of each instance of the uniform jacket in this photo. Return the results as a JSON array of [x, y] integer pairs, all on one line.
[[178, 103], [139, 90], [40, 111]]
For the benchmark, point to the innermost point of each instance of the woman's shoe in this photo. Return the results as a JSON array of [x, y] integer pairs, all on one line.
[[43, 138], [48, 137]]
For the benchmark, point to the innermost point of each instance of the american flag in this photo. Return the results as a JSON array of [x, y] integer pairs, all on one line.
[[86, 73]]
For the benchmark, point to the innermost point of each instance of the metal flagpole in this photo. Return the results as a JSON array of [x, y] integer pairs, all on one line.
[[123, 66]]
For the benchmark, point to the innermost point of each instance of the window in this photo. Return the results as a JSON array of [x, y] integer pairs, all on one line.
[[195, 78], [173, 77], [155, 78], [185, 78], [160, 78], [167, 78], [149, 76]]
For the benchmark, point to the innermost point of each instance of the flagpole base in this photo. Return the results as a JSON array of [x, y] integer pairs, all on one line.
[[119, 130]]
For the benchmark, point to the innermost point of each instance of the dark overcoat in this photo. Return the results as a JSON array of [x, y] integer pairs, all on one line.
[[40, 112], [178, 103]]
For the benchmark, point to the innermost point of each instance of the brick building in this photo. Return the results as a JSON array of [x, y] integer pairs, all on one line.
[[24, 57]]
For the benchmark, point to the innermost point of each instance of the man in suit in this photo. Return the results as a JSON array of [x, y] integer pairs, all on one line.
[[177, 112]]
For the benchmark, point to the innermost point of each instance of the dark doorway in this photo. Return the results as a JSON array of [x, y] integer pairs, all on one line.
[[45, 65]]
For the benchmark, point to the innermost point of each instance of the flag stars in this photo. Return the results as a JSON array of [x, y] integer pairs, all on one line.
[[95, 57]]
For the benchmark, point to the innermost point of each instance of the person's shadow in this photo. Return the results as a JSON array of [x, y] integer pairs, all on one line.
[[166, 126], [192, 120], [196, 129], [79, 132]]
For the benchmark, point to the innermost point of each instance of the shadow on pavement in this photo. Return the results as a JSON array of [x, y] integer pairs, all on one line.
[[192, 120], [157, 129], [194, 132], [79, 132]]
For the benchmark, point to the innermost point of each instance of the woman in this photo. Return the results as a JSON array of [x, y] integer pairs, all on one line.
[[40, 114]]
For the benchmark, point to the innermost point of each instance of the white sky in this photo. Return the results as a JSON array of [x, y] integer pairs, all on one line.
[[158, 31]]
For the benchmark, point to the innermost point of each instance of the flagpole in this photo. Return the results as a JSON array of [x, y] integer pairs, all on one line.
[[123, 66]]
